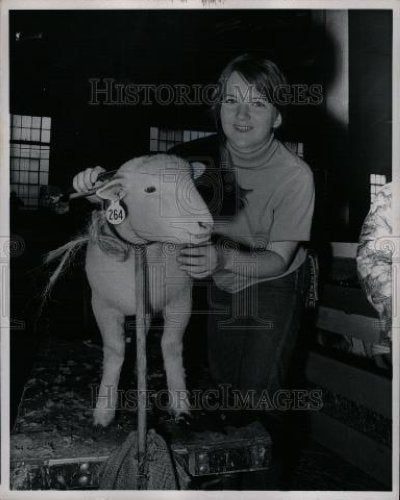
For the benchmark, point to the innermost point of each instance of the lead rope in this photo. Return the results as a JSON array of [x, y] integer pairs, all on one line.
[[142, 326]]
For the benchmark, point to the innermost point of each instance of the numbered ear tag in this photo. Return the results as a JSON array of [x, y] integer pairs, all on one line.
[[115, 213]]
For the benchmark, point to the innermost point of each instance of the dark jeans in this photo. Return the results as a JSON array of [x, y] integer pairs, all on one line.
[[252, 333], [251, 338]]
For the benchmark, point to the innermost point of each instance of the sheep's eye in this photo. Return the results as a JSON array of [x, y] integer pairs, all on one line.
[[150, 189]]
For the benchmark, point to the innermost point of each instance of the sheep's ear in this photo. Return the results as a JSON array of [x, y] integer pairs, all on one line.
[[113, 190], [198, 169]]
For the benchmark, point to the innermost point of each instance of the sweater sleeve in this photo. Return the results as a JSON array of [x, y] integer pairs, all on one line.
[[293, 209]]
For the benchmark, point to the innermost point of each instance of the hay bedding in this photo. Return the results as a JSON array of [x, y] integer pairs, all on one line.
[[55, 421], [55, 414]]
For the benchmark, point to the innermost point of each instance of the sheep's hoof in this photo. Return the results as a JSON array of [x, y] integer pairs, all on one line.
[[98, 430], [103, 418]]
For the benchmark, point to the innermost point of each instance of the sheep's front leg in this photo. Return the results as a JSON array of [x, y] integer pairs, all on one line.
[[111, 324], [176, 319]]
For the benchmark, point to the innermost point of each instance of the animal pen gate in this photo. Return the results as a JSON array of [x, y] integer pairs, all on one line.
[[54, 450]]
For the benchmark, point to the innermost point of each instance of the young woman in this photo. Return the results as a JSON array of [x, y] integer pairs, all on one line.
[[257, 258]]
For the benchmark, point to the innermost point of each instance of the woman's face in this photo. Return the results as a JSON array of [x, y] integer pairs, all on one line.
[[247, 118]]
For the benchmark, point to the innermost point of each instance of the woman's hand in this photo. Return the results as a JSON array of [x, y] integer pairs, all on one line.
[[199, 261], [87, 179]]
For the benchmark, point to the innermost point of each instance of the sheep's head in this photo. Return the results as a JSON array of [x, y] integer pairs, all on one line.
[[160, 199]]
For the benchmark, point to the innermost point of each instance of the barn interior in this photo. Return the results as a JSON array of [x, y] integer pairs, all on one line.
[[61, 123]]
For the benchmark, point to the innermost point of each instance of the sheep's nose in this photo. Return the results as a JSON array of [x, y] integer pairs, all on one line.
[[207, 226]]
